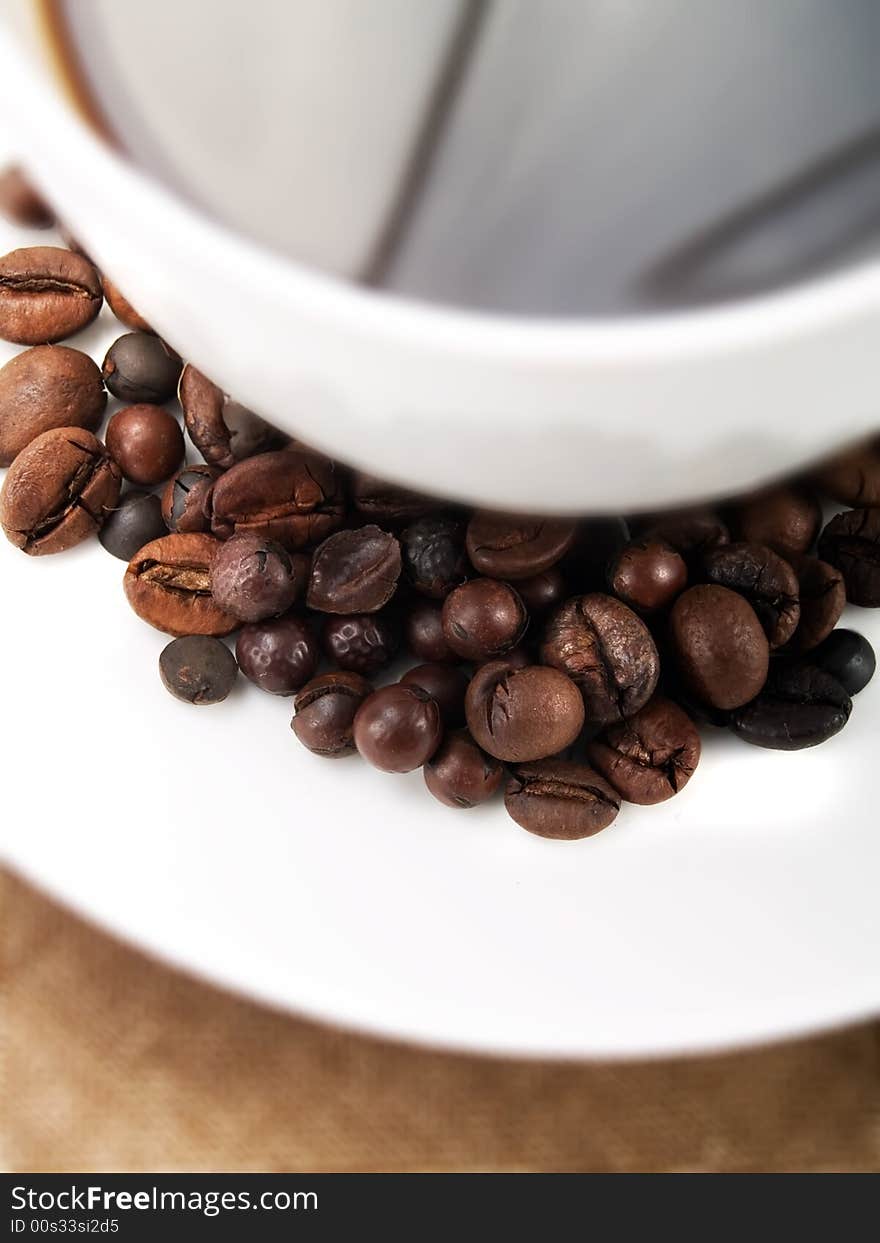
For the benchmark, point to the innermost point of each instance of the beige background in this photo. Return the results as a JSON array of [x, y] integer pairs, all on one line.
[[111, 1062]]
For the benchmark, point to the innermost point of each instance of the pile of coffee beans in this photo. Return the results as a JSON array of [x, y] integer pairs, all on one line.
[[569, 663]]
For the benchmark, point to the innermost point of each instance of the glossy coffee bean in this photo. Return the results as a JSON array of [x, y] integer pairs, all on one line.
[[720, 646], [279, 655], [139, 367], [433, 556], [43, 388], [325, 710], [560, 799], [848, 657], [822, 597], [647, 575], [851, 542], [510, 547], [398, 728], [387, 504], [523, 714], [785, 518], [362, 644], [223, 431], [483, 619], [135, 520], [543, 592], [57, 491], [459, 774], [253, 578], [446, 684], [288, 495], [146, 443], [800, 706], [853, 477], [596, 543], [168, 584], [423, 632], [21, 203], [46, 294], [186, 499], [691, 532], [198, 669], [354, 571], [122, 308], [768, 583], [609, 653], [650, 757]]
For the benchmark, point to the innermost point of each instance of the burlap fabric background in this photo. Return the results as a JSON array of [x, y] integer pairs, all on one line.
[[114, 1063]]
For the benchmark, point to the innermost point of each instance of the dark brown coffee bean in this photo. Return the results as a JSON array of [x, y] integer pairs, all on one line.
[[253, 577], [647, 575], [785, 518], [325, 710], [198, 669], [523, 714], [459, 774], [289, 496], [651, 756], [186, 499], [560, 799], [434, 556], [853, 477], [848, 657], [446, 684], [139, 367], [423, 632], [45, 387], [483, 619], [279, 654], [134, 520], [398, 728], [223, 431], [768, 583], [720, 646], [354, 571], [823, 597], [168, 584], [122, 308], [597, 542], [363, 644], [543, 592], [691, 532], [46, 294], [146, 443], [57, 491], [386, 503], [800, 706], [608, 652], [21, 204], [514, 547], [851, 542]]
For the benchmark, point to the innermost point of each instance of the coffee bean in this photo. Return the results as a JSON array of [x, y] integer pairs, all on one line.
[[289, 496], [46, 294], [609, 653], [651, 756], [768, 583], [597, 542], [434, 556], [278, 655], [57, 491], [362, 644], [848, 657], [253, 577], [423, 632], [386, 503], [186, 499], [720, 646], [122, 308], [543, 592], [398, 728], [324, 713], [647, 575], [523, 714], [168, 584], [853, 477], [139, 367], [21, 204], [509, 547], [223, 431], [135, 520], [786, 518], [691, 532], [800, 706], [822, 596], [354, 571], [444, 683], [198, 669], [46, 387], [459, 774], [483, 619], [560, 799], [851, 542], [146, 443]]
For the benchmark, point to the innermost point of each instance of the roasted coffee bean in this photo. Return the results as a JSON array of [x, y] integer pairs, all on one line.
[[786, 518], [542, 592], [46, 294], [146, 443], [691, 532], [597, 543], [398, 728], [853, 477], [647, 575], [21, 204], [483, 619], [198, 669], [139, 367], [851, 541], [523, 714], [800, 706], [434, 556], [168, 584], [445, 683], [822, 597], [848, 657], [223, 431], [135, 520], [278, 655], [423, 632], [57, 491], [253, 577], [186, 499], [459, 774], [122, 308], [560, 799], [354, 571], [609, 653], [289, 496], [386, 503], [510, 547], [651, 756], [363, 644], [768, 583], [46, 387], [324, 713], [720, 646]]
